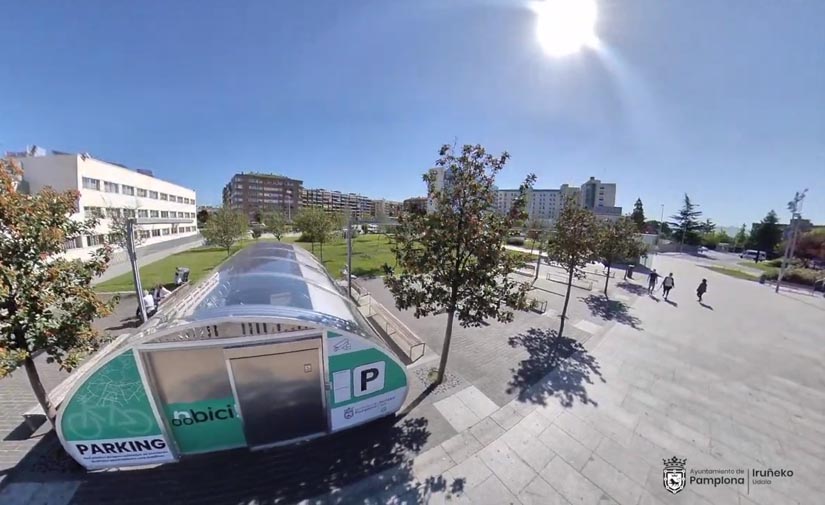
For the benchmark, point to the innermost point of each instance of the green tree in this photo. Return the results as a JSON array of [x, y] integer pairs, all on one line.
[[574, 244], [707, 227], [453, 259], [535, 232], [686, 223], [46, 300], [203, 217], [275, 224], [811, 245], [617, 241], [315, 225], [225, 227], [766, 235], [741, 238], [638, 215], [118, 225]]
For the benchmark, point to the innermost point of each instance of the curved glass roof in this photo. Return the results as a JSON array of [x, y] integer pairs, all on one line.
[[274, 280]]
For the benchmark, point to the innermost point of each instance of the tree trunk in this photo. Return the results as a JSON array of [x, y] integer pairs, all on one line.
[[606, 280], [538, 264], [39, 390], [445, 349], [566, 301], [322, 251]]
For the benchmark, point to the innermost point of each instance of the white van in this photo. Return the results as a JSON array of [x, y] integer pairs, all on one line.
[[750, 254]]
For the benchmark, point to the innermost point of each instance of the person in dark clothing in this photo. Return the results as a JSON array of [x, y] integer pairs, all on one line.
[[651, 281], [703, 287], [667, 284]]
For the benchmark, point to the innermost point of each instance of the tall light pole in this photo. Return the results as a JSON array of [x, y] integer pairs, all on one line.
[[795, 206]]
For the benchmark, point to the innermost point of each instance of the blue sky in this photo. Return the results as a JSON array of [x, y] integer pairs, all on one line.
[[722, 100]]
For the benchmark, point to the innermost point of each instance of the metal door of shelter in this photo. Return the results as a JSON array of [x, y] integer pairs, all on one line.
[[279, 390]]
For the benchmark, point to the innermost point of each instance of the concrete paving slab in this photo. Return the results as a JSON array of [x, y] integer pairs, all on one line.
[[471, 473], [457, 413], [570, 450], [618, 485], [507, 466], [506, 417], [587, 326], [477, 402], [572, 485], [486, 431], [539, 492], [492, 492], [461, 446]]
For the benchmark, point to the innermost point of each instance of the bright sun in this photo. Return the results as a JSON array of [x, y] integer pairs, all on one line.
[[566, 26]]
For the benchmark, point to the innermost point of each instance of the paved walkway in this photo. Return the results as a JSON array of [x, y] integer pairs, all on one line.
[[736, 383]]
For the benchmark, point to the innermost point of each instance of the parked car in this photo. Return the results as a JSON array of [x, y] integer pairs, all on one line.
[[750, 254]]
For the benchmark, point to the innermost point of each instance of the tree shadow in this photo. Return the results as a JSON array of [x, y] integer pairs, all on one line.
[[128, 322], [557, 367], [383, 450], [636, 289], [611, 310]]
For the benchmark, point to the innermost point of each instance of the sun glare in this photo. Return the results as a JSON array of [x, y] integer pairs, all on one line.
[[566, 26]]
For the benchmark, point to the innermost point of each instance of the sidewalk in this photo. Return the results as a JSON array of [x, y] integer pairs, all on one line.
[[149, 254]]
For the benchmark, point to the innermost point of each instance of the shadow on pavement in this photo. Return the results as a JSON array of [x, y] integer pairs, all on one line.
[[636, 289], [279, 475], [571, 364], [611, 310], [706, 306], [671, 302]]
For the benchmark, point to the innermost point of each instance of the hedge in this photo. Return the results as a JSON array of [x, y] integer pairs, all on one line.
[[804, 276]]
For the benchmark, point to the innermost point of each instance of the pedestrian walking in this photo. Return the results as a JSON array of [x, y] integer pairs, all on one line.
[[703, 287], [667, 284], [651, 281]]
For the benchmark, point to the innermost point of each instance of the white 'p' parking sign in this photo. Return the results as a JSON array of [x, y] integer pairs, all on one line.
[[368, 378]]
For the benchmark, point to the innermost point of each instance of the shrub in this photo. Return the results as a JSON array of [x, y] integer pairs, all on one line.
[[804, 276], [515, 241]]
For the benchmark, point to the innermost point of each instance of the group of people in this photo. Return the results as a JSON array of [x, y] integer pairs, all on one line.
[[152, 300], [668, 283]]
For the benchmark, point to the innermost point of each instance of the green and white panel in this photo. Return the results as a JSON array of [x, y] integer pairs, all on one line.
[[109, 422], [366, 381]]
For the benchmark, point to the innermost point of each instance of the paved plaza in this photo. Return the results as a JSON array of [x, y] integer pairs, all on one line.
[[734, 383]]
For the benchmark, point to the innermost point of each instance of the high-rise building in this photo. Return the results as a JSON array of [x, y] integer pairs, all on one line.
[[336, 202], [546, 204], [111, 191], [254, 193]]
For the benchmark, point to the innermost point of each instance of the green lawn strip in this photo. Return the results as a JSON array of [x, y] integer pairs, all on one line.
[[732, 272], [759, 266], [200, 261], [369, 254]]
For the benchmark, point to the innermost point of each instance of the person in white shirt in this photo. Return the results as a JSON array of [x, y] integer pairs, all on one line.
[[160, 293], [667, 284], [149, 302]]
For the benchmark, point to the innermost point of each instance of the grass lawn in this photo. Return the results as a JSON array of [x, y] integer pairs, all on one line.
[[369, 253], [739, 274], [759, 266], [200, 262]]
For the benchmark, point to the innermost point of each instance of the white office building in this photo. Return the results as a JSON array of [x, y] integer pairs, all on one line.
[[546, 204], [108, 190]]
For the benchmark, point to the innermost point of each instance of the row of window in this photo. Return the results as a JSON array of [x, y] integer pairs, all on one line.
[[95, 240], [101, 213], [112, 187]]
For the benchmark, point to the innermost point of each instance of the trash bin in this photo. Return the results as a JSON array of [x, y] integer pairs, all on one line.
[[629, 272], [181, 275]]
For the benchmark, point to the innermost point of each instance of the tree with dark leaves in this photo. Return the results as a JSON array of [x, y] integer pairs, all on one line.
[[46, 300], [453, 259], [575, 243]]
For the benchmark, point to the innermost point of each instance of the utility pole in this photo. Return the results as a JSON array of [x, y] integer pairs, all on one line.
[[130, 249], [349, 256], [795, 206]]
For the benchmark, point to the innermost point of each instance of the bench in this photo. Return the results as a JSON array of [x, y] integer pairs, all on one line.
[[537, 305], [577, 283], [35, 416], [407, 343]]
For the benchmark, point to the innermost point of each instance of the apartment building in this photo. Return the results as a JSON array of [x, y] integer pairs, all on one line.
[[336, 202], [416, 204], [387, 208], [110, 190], [254, 193]]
